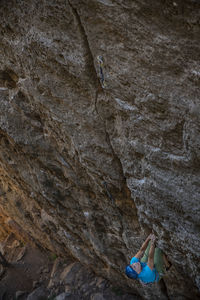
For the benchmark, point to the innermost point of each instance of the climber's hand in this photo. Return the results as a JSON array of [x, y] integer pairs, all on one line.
[[150, 237]]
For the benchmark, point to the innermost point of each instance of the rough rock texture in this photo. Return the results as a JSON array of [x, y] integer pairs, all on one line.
[[71, 280], [88, 170], [35, 274]]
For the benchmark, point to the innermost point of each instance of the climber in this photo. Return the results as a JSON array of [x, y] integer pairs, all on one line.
[[152, 266]]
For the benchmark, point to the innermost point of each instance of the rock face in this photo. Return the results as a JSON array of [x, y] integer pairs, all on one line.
[[100, 132]]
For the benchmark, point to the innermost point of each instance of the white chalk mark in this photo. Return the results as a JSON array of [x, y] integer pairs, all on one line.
[[64, 162], [140, 181], [86, 213], [67, 234], [125, 105], [106, 2], [135, 183], [197, 73]]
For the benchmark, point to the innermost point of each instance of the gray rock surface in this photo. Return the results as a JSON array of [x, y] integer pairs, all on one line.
[[20, 294], [89, 167], [39, 293], [62, 296]]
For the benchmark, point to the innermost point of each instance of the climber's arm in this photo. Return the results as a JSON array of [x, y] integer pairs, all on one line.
[[150, 262], [140, 253]]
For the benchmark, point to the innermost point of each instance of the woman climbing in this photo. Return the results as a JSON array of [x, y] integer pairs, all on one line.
[[152, 266]]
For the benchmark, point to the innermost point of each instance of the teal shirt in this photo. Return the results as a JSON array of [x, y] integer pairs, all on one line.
[[146, 275]]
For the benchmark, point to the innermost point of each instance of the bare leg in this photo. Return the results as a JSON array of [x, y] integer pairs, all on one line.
[[150, 262]]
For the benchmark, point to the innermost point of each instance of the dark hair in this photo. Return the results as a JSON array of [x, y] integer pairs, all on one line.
[[131, 273]]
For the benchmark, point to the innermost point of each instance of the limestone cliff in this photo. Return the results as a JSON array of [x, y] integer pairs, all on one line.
[[100, 132]]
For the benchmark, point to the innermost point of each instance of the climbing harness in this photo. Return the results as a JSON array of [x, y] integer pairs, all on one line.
[[101, 70], [108, 193]]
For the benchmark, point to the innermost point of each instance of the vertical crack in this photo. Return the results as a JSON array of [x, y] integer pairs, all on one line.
[[115, 155], [90, 68], [93, 75], [95, 80]]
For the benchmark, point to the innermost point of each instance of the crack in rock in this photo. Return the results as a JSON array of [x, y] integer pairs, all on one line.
[[89, 57]]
